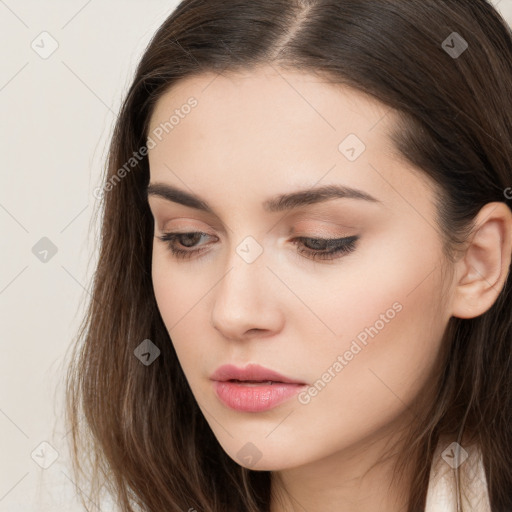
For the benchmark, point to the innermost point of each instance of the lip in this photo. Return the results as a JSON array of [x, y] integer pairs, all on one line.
[[259, 388], [253, 372]]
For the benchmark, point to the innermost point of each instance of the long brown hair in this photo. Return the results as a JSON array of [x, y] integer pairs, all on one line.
[[136, 429]]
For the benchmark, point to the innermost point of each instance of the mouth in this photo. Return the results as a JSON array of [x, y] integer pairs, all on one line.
[[253, 388]]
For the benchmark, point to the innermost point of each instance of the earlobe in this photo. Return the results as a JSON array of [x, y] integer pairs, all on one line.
[[483, 269]]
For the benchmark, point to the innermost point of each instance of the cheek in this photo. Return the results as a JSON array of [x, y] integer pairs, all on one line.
[[389, 314], [180, 297], [389, 327], [391, 284], [176, 286]]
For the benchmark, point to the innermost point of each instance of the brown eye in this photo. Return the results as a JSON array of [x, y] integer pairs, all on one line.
[[185, 239]]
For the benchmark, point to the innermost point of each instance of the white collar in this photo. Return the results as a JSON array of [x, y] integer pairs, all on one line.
[[441, 495]]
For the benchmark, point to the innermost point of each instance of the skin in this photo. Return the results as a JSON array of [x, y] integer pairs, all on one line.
[[267, 132]]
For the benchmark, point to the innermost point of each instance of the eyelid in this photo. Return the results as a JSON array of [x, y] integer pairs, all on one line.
[[164, 211], [317, 215], [183, 228], [325, 223], [313, 230]]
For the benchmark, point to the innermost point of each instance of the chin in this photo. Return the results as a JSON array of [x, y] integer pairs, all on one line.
[[262, 457]]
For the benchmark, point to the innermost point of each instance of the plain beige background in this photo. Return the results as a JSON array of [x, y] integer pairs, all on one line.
[[57, 112]]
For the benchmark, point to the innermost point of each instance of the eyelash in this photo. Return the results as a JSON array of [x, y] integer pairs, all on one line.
[[341, 246]]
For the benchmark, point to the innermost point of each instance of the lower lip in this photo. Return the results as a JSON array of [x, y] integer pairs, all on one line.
[[254, 397]]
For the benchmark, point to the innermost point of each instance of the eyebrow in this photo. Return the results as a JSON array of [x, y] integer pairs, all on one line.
[[279, 203]]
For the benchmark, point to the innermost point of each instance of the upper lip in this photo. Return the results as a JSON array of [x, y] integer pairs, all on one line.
[[252, 372]]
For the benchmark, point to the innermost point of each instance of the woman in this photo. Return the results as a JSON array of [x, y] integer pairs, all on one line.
[[303, 294]]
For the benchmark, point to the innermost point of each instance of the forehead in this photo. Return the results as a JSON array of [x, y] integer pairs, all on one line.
[[266, 94]]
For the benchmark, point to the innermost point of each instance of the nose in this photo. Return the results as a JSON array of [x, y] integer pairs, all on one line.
[[246, 302]]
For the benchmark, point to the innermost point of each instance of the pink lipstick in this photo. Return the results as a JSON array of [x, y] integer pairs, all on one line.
[[253, 388]]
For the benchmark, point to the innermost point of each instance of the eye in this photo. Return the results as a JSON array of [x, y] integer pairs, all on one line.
[[326, 248], [312, 248], [188, 238]]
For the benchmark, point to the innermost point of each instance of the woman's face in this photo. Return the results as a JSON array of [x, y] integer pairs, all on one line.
[[357, 332]]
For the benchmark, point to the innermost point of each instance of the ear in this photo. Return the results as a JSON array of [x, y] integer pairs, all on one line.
[[482, 270]]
